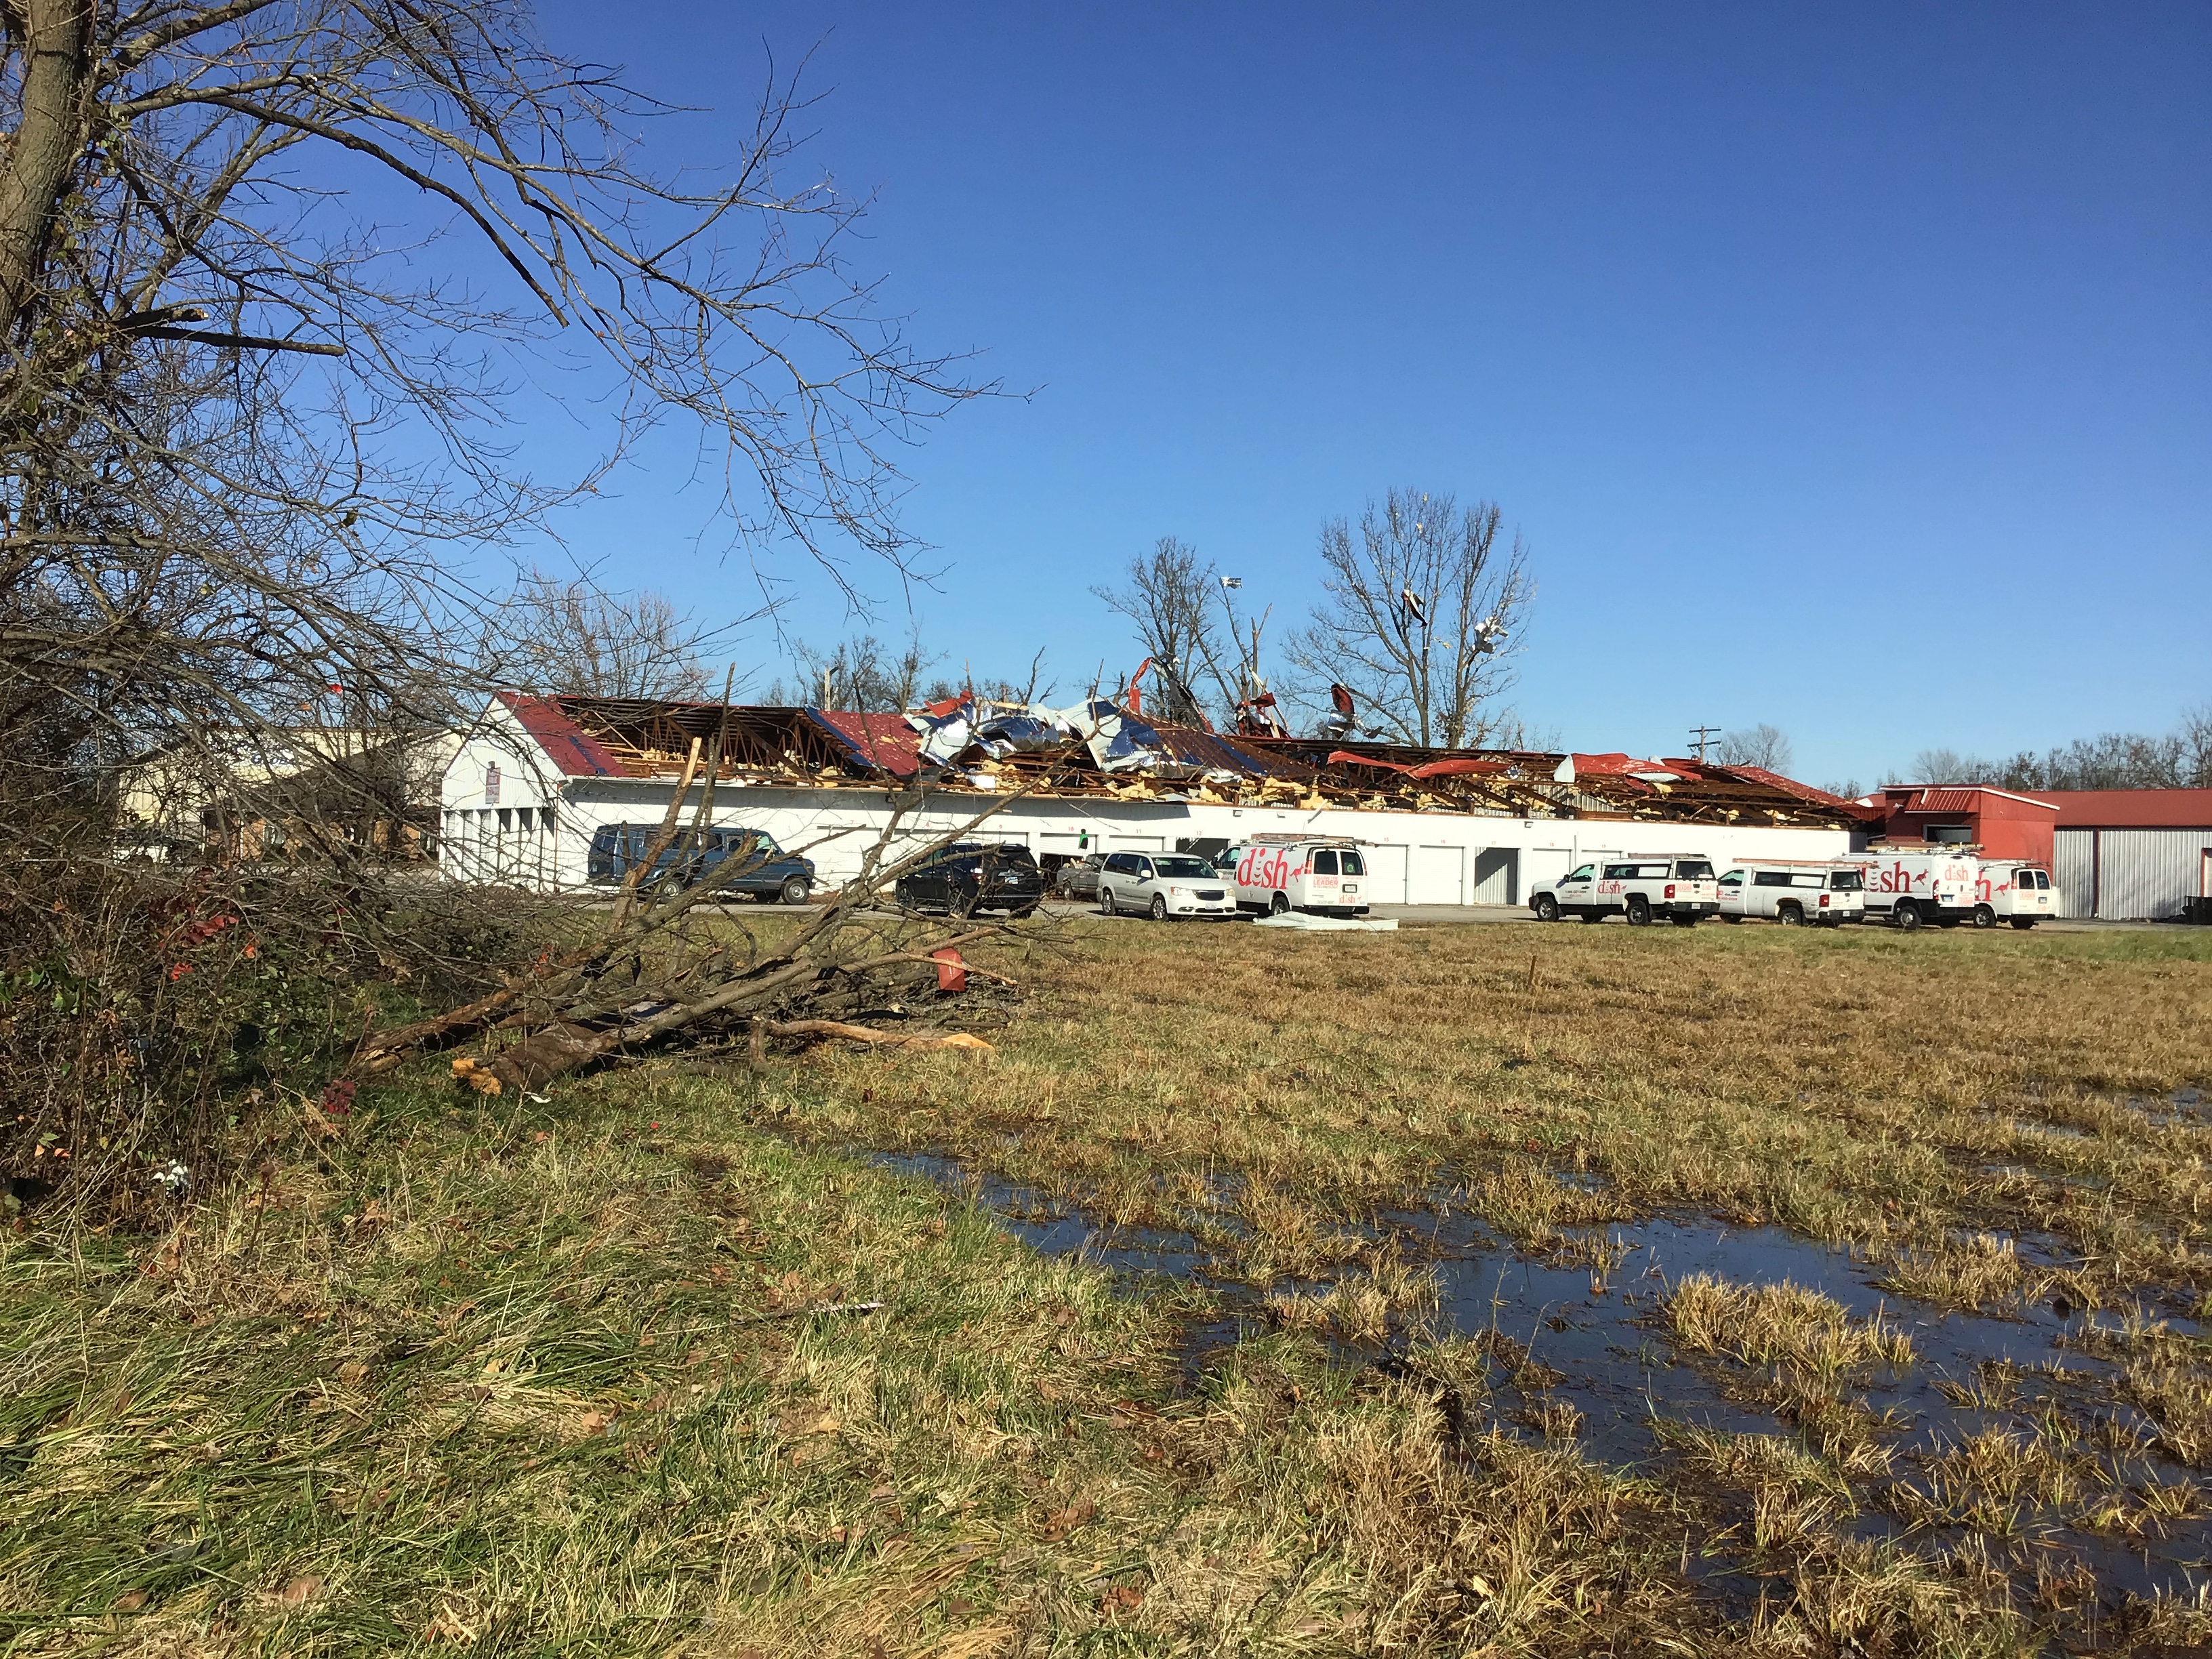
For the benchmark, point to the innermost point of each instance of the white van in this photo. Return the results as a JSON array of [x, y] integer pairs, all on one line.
[[1321, 875], [1796, 892], [2021, 894]]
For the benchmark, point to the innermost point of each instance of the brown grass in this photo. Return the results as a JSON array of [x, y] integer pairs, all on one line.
[[519, 1378]]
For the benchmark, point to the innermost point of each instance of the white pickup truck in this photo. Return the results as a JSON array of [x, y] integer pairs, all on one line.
[[1679, 886]]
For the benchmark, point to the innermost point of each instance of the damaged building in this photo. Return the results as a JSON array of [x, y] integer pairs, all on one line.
[[541, 776]]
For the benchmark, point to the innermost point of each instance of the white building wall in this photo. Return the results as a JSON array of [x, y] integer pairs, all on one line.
[[1423, 858], [2131, 874], [500, 810]]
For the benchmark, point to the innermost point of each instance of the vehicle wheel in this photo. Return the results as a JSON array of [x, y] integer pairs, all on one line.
[[1908, 916], [1684, 921], [1790, 916], [903, 896], [1639, 910], [1984, 917], [1106, 905], [962, 904], [2023, 922], [1159, 906], [1547, 907], [795, 890], [1280, 904]]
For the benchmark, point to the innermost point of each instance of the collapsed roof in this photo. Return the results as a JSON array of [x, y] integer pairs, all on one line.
[[1099, 749]]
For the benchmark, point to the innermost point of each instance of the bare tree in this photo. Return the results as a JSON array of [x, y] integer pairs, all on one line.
[[1948, 766], [244, 419], [1761, 745], [571, 636], [861, 674], [1420, 604], [1168, 597]]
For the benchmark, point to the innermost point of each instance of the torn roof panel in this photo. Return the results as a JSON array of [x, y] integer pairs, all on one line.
[[574, 752], [1193, 746], [877, 742], [1804, 792]]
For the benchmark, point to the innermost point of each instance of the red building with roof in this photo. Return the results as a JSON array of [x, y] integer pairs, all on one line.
[[2003, 823], [2120, 853]]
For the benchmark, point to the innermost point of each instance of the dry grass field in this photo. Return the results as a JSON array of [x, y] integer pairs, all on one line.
[[1552, 1290]]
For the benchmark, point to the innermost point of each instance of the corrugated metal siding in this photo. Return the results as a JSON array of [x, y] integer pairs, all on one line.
[[2136, 873]]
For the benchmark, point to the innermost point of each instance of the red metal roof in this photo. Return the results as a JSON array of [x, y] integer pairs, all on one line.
[[576, 751], [2129, 809], [883, 741], [1952, 798]]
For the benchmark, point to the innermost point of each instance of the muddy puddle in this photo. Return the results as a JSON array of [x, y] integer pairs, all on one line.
[[1575, 1343]]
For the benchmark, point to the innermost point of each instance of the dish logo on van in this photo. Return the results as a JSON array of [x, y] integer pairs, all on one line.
[[1265, 866]]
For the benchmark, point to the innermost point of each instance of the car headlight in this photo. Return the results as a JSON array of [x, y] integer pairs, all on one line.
[[1179, 892]]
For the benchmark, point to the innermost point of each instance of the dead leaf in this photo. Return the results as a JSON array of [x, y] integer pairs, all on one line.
[[882, 1493], [596, 1422], [1045, 1390], [301, 1590], [958, 1608], [1120, 1598], [1061, 1523], [794, 1426], [352, 1371], [1480, 1586], [130, 1600]]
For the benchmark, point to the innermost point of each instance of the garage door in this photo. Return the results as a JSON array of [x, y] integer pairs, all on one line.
[[1386, 874], [1439, 876]]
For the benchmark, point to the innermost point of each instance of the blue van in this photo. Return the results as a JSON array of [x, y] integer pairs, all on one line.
[[767, 872]]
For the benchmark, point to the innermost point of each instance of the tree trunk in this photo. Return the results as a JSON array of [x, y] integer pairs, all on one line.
[[54, 37]]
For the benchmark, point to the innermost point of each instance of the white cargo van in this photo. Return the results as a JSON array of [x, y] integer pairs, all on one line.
[[1323, 875], [2021, 894], [1796, 892], [1910, 885]]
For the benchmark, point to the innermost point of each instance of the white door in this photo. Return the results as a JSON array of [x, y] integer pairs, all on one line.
[[1439, 876]]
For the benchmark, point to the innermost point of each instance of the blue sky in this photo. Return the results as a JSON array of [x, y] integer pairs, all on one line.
[[1847, 368]]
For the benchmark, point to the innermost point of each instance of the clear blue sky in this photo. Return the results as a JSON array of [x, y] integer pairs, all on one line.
[[1845, 367]]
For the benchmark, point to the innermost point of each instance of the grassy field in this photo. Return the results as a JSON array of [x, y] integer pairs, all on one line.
[[522, 1378]]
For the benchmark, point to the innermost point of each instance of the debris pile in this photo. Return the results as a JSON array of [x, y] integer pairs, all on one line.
[[1100, 747]]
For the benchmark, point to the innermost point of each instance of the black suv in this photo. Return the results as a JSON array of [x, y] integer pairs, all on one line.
[[972, 875], [767, 873]]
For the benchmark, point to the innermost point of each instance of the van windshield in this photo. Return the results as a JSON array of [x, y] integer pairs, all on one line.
[[1177, 867], [1846, 881]]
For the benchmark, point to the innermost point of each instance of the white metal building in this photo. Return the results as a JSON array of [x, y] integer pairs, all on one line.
[[2131, 854], [527, 792]]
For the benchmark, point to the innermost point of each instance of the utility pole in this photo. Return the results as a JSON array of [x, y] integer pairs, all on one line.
[[1703, 735]]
